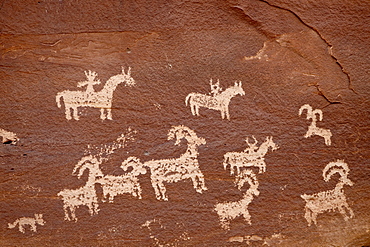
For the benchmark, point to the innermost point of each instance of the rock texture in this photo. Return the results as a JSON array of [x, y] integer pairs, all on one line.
[[284, 53]]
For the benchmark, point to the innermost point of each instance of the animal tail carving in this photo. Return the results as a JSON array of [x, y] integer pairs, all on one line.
[[12, 225], [187, 98], [57, 98]]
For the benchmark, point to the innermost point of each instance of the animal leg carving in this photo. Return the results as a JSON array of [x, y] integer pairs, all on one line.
[[68, 113], [102, 115], [75, 113]]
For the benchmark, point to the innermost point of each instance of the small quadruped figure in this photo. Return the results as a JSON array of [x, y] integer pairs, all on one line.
[[27, 221], [313, 129]]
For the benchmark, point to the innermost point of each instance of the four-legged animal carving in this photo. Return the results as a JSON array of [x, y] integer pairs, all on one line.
[[24, 221], [251, 156], [219, 102], [184, 167], [332, 199], [228, 211], [126, 183], [313, 129], [85, 195], [90, 98]]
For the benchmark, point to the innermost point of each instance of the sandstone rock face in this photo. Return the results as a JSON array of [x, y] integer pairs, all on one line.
[[184, 123]]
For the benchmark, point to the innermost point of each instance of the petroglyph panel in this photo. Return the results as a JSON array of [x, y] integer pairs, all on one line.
[[234, 109]]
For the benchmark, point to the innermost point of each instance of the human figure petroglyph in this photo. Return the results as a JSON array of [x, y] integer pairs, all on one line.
[[218, 101], [8, 137], [228, 211], [184, 167], [24, 221], [126, 183], [313, 129], [215, 88], [90, 82], [89, 98], [251, 156], [330, 200]]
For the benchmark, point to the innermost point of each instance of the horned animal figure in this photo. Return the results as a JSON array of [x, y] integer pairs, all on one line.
[[89, 98], [313, 129], [218, 101], [24, 221], [184, 167], [251, 156], [228, 211], [85, 195], [8, 137], [332, 199], [126, 183]]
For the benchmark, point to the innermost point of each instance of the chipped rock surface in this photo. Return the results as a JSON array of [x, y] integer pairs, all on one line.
[[75, 75]]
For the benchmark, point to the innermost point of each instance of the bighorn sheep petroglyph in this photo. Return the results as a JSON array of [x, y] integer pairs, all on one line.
[[251, 156], [228, 211], [24, 221], [184, 167], [89, 98], [85, 195], [313, 129], [332, 199], [218, 101], [126, 183]]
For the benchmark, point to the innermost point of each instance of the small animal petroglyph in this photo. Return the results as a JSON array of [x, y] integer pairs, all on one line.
[[313, 129], [228, 211], [184, 167], [8, 137], [217, 101], [89, 98], [126, 183], [251, 156], [24, 221], [329, 200]]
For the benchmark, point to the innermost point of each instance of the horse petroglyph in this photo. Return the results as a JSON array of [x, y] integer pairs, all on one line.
[[228, 211], [313, 129], [329, 200], [218, 100], [184, 167], [24, 221], [86, 195], [89, 98], [251, 156], [8, 137]]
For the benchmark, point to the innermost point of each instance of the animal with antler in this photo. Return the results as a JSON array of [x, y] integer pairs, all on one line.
[[218, 101], [89, 98], [24, 221], [251, 156], [228, 211], [85, 195], [332, 199], [184, 167], [313, 129], [126, 183]]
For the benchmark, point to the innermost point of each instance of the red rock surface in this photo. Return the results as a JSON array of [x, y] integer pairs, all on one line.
[[286, 54]]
